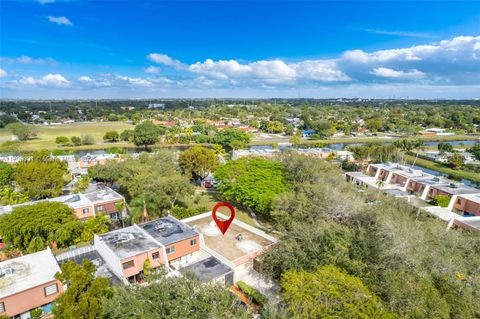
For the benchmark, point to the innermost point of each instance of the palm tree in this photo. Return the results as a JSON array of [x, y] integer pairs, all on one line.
[[141, 208], [417, 146]]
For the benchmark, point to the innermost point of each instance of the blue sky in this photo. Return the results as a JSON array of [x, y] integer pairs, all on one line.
[[136, 49]]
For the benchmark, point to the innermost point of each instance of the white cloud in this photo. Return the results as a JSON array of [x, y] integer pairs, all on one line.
[[24, 59], [85, 79], [390, 73], [152, 69], [135, 81], [3, 73], [165, 60], [49, 80], [60, 20]]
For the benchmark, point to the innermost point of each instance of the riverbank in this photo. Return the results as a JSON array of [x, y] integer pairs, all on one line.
[[457, 174]]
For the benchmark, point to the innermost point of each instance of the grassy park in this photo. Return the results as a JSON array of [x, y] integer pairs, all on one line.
[[46, 135]]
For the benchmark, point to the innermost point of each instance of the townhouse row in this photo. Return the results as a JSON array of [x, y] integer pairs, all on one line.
[[194, 245], [404, 181]]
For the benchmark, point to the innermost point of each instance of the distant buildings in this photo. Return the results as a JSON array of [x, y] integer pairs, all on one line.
[[156, 106], [313, 152], [436, 132]]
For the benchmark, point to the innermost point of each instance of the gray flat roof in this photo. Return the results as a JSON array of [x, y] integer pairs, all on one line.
[[396, 192], [128, 241], [207, 269], [25, 272], [168, 230], [430, 180], [456, 189], [97, 260]]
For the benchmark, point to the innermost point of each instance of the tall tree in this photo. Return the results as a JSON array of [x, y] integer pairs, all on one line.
[[329, 292], [145, 134], [40, 178], [85, 296], [22, 131], [198, 162]]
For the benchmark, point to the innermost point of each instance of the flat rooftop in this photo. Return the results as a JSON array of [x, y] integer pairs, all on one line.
[[168, 230], [430, 180], [95, 194], [97, 260], [128, 241], [207, 269], [26, 272], [396, 192], [231, 245], [456, 189]]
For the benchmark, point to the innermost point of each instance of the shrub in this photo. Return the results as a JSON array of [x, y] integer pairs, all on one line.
[[62, 140], [441, 200], [251, 292], [77, 141], [88, 140]]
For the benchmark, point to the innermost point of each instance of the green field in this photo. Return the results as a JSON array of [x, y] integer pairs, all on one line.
[[47, 134], [457, 174]]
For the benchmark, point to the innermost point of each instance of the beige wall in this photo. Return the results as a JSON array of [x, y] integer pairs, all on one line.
[[30, 299]]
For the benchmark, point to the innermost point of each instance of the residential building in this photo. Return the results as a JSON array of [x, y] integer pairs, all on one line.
[[98, 200], [468, 204], [28, 282], [91, 160], [126, 250]]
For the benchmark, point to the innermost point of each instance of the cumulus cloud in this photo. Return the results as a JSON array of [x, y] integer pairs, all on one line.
[[165, 60], [134, 81], [60, 20], [3, 73], [152, 69], [49, 80], [390, 73]]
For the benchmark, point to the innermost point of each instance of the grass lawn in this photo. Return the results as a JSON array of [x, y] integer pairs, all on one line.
[[209, 199], [47, 134], [459, 174]]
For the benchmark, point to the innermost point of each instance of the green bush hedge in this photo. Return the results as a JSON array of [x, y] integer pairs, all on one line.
[[253, 293], [440, 200]]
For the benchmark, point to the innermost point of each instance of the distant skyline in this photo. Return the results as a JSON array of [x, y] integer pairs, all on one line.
[[318, 49]]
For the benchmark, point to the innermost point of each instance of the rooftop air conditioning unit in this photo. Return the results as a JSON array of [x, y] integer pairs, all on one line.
[[6, 272]]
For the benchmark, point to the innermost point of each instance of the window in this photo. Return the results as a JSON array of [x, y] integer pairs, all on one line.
[[459, 201], [50, 290], [128, 264], [155, 255], [99, 208], [86, 211], [193, 242], [2, 307], [170, 250]]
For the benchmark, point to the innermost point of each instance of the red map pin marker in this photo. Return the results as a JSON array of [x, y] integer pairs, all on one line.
[[223, 224]]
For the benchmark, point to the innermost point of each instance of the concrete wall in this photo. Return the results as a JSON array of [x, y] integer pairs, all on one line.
[[110, 258]]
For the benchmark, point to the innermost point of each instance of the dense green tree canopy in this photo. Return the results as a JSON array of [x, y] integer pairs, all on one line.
[[45, 222], [6, 171], [198, 162], [329, 292], [22, 131], [253, 182], [176, 298], [145, 134], [85, 295], [230, 135], [111, 136], [40, 178]]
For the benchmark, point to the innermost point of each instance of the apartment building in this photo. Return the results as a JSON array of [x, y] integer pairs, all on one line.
[[468, 204], [126, 251], [27, 283], [99, 200]]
